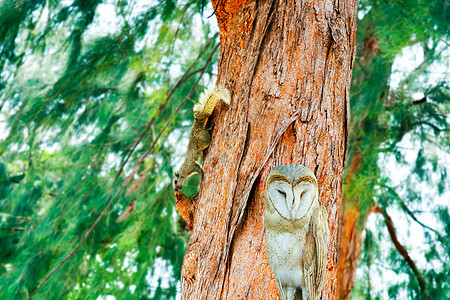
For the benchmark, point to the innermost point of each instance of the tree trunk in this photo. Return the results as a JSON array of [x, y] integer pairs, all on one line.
[[288, 67], [353, 221], [355, 211]]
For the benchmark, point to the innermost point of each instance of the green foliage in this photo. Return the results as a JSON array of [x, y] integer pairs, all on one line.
[[397, 114], [81, 103], [370, 250]]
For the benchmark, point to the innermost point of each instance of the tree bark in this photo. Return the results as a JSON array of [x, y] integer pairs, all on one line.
[[349, 249], [288, 67]]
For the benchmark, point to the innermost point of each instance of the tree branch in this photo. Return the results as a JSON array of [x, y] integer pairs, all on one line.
[[403, 252], [408, 211], [13, 228], [6, 215], [145, 155], [127, 180], [368, 263], [185, 77]]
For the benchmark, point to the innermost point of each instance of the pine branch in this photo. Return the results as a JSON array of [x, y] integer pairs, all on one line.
[[127, 180], [13, 228], [149, 124], [74, 250], [368, 263], [408, 211], [153, 119], [403, 252], [175, 36], [147, 153], [6, 215]]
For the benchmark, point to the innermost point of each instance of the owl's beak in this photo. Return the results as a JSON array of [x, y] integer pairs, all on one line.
[[294, 206], [292, 212]]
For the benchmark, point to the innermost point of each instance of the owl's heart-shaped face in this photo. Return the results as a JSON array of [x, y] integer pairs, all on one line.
[[291, 201], [291, 190]]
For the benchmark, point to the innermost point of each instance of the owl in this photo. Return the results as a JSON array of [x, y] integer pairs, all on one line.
[[297, 233]]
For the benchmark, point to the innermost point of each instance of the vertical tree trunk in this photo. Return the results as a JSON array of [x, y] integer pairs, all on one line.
[[355, 211], [350, 236], [353, 222], [288, 66]]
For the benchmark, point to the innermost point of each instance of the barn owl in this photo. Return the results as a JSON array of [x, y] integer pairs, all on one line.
[[297, 233]]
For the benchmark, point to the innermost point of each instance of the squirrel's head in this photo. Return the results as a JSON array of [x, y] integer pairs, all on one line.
[[177, 181]]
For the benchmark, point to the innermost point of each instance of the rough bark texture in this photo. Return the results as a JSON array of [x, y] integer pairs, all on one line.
[[288, 66]]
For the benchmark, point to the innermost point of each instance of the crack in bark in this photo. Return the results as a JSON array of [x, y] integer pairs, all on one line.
[[260, 47], [252, 31], [233, 220], [325, 70], [346, 124], [241, 158]]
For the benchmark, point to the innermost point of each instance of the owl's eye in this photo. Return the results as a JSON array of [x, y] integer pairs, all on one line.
[[282, 193]]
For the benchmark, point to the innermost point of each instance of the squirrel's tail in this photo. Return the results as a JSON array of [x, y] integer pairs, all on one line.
[[209, 98]]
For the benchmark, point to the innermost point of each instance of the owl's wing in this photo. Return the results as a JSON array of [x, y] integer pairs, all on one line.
[[314, 260]]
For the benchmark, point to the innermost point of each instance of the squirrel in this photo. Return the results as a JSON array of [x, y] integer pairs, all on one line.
[[199, 138]]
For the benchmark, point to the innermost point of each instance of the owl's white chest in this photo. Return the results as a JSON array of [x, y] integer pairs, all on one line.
[[284, 251]]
